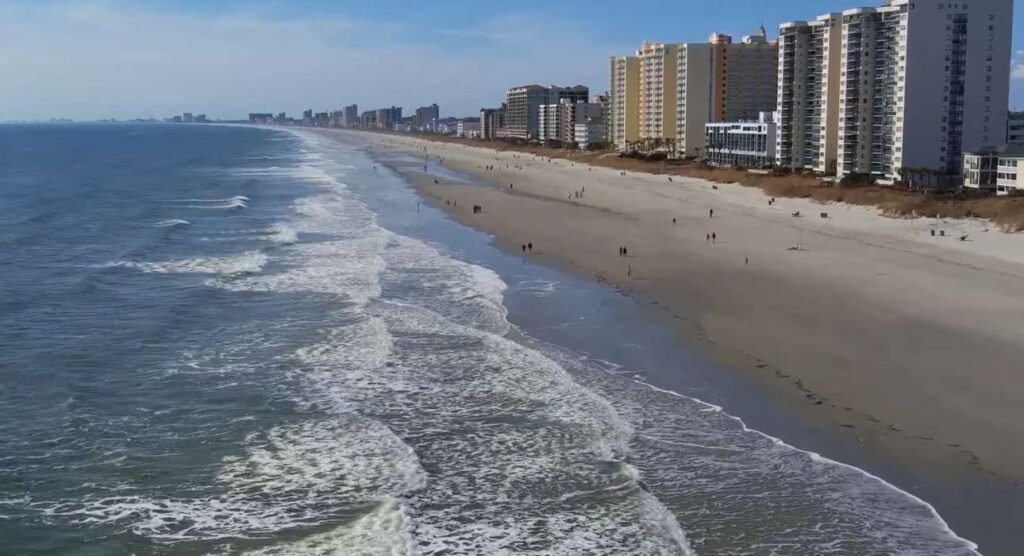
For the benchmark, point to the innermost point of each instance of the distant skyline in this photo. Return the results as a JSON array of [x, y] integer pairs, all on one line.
[[95, 59]]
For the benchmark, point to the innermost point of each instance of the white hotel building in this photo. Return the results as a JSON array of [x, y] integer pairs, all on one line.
[[919, 82]]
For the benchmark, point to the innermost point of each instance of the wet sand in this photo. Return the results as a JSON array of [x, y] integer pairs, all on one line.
[[905, 342]]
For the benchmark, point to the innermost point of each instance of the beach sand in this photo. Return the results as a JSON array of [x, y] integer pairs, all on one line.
[[911, 342]]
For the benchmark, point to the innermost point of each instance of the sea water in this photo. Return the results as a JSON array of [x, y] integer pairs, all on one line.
[[237, 340]]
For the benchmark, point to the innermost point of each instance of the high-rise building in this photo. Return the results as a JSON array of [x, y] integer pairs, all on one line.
[[557, 122], [744, 77], [492, 120], [693, 97], [521, 112], [623, 116], [351, 117], [368, 119], [187, 118], [920, 82], [522, 107], [681, 87], [386, 118], [426, 118], [307, 117], [658, 88], [807, 109]]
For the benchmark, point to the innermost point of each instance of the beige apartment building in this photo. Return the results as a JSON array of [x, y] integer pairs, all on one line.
[[623, 116], [658, 86], [682, 87], [693, 97]]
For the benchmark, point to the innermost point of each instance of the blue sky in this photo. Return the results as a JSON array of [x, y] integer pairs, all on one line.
[[90, 59]]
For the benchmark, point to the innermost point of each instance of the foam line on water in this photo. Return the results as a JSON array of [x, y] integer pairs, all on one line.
[[970, 545], [171, 222], [248, 262]]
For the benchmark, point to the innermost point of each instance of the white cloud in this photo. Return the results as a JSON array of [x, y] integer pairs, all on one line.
[[96, 59]]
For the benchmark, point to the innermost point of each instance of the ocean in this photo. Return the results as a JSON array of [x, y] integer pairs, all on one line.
[[232, 340]]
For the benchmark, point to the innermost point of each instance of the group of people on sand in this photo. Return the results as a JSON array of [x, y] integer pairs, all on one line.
[[578, 194]]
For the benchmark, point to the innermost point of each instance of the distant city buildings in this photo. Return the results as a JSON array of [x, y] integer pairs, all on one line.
[[351, 116], [522, 107], [426, 118], [492, 120], [885, 93], [386, 118], [468, 127], [261, 118]]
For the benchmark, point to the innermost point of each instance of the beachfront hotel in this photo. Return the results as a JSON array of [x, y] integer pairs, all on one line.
[[671, 91], [743, 144], [658, 62], [522, 107], [919, 82], [557, 122], [743, 80], [623, 117], [807, 114]]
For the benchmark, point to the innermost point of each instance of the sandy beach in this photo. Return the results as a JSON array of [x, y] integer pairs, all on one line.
[[907, 340]]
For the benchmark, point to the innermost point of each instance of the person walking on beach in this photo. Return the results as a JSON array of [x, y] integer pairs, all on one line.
[[629, 271], [714, 237], [625, 252], [711, 213], [673, 221], [707, 238], [529, 246], [524, 248]]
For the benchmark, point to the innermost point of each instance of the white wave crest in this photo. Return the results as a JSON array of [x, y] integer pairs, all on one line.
[[249, 262], [236, 202], [283, 234], [172, 222]]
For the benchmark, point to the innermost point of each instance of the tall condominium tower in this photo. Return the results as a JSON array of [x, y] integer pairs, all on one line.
[[743, 81], [623, 117], [658, 85], [920, 81], [681, 87], [807, 114], [693, 97]]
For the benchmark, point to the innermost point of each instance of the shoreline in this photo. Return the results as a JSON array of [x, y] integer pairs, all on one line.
[[531, 210], [1003, 212]]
